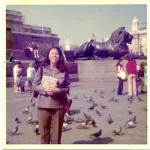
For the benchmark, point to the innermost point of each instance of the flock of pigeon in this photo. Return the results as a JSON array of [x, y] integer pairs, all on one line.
[[82, 123]]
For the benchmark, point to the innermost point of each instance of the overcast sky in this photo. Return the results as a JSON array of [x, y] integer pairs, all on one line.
[[79, 22]]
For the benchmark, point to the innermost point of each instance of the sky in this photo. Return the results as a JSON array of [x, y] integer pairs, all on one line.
[[79, 22]]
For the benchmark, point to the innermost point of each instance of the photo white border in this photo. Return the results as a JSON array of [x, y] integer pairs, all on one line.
[[63, 146]]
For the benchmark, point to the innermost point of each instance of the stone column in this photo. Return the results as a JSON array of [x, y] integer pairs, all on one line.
[[136, 43]]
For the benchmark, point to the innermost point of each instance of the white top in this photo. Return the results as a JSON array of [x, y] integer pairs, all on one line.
[[121, 73], [16, 71], [30, 72]]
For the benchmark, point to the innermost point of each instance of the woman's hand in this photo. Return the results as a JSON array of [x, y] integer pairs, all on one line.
[[52, 90]]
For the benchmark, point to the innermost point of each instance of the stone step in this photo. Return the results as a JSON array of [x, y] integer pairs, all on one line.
[[72, 68], [98, 79], [10, 80], [18, 54]]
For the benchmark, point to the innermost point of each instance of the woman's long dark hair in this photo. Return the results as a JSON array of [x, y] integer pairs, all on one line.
[[118, 63], [61, 65]]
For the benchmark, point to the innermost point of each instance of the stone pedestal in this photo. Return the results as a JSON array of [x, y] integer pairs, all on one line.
[[69, 55], [100, 70]]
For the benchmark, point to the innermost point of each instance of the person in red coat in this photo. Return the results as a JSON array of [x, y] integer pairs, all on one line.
[[132, 72]]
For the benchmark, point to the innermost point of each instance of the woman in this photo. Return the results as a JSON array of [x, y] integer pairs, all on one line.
[[141, 76], [52, 99], [121, 76]]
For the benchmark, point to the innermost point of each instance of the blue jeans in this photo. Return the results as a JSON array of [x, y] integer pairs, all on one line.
[[120, 86]]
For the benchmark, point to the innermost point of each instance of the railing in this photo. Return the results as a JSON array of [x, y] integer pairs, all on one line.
[[36, 34], [13, 12]]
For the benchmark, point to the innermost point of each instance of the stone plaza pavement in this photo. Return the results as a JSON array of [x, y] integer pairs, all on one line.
[[16, 103]]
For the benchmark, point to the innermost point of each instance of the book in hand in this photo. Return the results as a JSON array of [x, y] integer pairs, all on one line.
[[47, 80]]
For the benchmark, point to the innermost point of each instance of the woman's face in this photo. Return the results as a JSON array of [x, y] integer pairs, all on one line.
[[54, 56]]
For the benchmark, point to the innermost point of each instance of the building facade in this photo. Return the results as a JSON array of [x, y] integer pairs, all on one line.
[[139, 42], [17, 33]]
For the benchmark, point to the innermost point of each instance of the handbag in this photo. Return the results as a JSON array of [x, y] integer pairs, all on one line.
[[125, 80], [35, 94], [122, 75]]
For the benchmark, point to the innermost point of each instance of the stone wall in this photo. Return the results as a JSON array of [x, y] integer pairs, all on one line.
[[99, 70]]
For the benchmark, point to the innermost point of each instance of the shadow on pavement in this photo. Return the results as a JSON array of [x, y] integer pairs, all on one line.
[[74, 111], [105, 140]]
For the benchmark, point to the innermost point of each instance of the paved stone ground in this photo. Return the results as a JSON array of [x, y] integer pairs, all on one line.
[[16, 103]]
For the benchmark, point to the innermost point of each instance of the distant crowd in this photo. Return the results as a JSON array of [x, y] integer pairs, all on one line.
[[33, 48], [134, 74]]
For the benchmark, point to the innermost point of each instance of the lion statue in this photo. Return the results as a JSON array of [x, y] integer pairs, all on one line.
[[116, 47]]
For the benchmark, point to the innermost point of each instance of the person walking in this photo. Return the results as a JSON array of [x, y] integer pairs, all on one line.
[[52, 98], [30, 75], [131, 69], [121, 76], [17, 77]]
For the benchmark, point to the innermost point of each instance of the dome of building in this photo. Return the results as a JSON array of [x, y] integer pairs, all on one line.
[[135, 20]]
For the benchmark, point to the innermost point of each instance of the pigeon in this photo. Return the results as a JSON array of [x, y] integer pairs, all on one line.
[[113, 90], [129, 110], [95, 91], [97, 134], [90, 100], [76, 97], [130, 124], [68, 119], [79, 120], [17, 120], [132, 120], [37, 129], [34, 122], [14, 130], [110, 119], [130, 99], [98, 113], [33, 104], [91, 107], [88, 117], [115, 100], [7, 142], [145, 109], [26, 110], [29, 119], [117, 131], [101, 95], [112, 99], [140, 100], [85, 95], [103, 107], [93, 123], [101, 92], [65, 126], [95, 104], [83, 124]]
